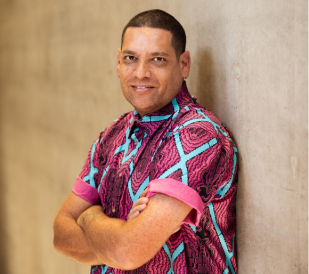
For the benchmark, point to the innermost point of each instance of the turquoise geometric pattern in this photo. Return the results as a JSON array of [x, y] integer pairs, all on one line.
[[192, 121], [228, 254], [186, 157], [104, 269], [196, 120], [93, 170], [226, 186], [125, 147], [142, 187], [173, 257]]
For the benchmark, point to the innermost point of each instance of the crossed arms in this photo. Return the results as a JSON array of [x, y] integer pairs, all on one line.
[[85, 234]]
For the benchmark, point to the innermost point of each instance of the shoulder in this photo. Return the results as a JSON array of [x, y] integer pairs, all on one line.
[[197, 119], [196, 130]]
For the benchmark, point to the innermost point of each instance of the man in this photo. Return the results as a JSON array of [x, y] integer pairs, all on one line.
[[157, 192]]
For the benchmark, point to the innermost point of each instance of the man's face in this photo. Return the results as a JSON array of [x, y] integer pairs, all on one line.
[[150, 73]]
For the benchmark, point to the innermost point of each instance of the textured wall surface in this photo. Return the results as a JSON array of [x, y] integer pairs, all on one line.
[[58, 89]]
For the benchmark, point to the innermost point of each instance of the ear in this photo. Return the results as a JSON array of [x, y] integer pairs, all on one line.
[[185, 64], [118, 61]]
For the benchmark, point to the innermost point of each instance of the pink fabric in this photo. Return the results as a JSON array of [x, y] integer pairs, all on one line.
[[183, 193], [86, 191]]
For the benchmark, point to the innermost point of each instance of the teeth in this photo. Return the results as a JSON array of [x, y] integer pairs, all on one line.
[[140, 87]]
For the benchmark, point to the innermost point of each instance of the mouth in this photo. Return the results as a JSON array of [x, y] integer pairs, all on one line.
[[142, 88]]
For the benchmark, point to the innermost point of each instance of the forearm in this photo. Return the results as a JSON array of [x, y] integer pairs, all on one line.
[[103, 234], [128, 245], [70, 240]]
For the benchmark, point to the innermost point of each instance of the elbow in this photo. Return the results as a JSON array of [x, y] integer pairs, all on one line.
[[122, 258], [57, 244], [57, 240], [131, 258]]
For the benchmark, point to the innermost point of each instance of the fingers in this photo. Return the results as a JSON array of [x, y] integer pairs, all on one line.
[[141, 201], [138, 206], [136, 210], [144, 193], [132, 216]]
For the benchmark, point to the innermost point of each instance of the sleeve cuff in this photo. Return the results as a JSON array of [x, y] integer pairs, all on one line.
[[183, 193], [86, 191]]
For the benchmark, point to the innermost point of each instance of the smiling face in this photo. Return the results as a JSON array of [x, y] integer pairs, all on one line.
[[150, 73]]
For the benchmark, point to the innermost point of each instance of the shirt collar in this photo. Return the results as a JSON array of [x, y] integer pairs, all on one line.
[[151, 121]]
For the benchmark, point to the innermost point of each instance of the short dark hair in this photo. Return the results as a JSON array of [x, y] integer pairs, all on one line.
[[161, 20]]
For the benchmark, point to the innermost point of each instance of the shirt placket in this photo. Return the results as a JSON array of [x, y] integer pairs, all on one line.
[[139, 144]]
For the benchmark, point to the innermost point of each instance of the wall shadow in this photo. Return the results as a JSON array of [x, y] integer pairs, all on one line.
[[4, 11], [3, 211], [206, 84], [3, 236], [211, 95]]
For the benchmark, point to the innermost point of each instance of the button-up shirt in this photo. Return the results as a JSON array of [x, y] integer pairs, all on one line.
[[183, 151]]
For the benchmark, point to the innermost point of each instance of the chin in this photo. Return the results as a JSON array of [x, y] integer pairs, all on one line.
[[144, 107]]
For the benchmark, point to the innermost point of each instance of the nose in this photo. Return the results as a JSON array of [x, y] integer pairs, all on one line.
[[142, 70]]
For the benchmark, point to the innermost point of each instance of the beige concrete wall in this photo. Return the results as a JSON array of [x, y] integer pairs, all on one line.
[[58, 89]]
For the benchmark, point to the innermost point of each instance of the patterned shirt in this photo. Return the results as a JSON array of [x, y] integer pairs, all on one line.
[[182, 148]]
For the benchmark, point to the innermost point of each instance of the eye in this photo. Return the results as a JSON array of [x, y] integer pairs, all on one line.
[[129, 58], [159, 59]]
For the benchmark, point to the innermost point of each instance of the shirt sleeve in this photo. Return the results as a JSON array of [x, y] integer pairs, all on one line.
[[183, 193], [86, 191], [86, 183], [200, 161]]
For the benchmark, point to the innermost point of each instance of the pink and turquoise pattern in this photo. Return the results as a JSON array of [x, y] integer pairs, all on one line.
[[184, 145]]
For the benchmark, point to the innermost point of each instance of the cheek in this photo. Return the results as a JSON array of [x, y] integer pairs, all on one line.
[[164, 76], [167, 79], [124, 70]]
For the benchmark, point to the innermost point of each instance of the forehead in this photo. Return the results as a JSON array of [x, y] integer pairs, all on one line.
[[144, 38]]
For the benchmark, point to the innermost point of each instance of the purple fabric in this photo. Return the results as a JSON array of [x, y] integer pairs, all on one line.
[[182, 192], [183, 142]]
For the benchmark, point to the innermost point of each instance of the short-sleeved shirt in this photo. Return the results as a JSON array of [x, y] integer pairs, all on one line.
[[184, 151]]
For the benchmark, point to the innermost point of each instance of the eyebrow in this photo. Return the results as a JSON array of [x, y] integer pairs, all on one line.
[[157, 53], [129, 52], [162, 53]]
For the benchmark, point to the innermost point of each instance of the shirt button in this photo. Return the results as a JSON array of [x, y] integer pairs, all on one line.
[[113, 210], [120, 175], [135, 143]]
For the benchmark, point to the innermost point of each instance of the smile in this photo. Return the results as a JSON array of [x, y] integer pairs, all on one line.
[[141, 88]]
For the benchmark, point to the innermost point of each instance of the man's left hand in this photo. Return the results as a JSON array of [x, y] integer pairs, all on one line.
[[138, 206]]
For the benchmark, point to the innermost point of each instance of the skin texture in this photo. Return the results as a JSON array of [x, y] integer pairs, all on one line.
[[139, 206], [69, 238], [150, 76], [128, 245]]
